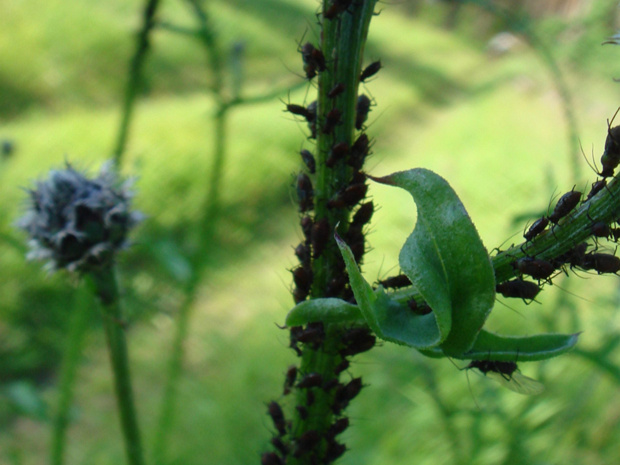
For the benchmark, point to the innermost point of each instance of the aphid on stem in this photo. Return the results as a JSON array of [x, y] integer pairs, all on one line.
[[536, 229], [361, 110], [565, 205], [370, 70], [611, 153]]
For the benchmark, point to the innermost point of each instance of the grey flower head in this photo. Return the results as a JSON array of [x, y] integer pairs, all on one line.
[[78, 223]]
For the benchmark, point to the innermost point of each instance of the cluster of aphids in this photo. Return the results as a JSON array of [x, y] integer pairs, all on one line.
[[578, 257], [317, 232], [346, 159], [314, 386]]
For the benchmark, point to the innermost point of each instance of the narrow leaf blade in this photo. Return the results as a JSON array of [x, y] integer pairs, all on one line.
[[329, 310]]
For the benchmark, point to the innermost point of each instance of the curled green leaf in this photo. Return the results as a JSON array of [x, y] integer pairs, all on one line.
[[445, 259], [389, 319]]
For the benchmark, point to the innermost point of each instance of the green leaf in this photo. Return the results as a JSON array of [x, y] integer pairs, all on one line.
[[389, 319], [330, 310], [491, 346], [445, 259]]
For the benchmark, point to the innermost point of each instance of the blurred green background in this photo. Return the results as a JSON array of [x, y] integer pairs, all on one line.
[[482, 110]]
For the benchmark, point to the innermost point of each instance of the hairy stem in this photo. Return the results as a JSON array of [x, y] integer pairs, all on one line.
[[135, 77]]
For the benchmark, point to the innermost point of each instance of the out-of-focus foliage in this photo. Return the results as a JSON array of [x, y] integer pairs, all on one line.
[[488, 119]]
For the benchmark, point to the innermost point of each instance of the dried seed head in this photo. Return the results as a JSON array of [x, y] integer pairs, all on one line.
[[78, 223]]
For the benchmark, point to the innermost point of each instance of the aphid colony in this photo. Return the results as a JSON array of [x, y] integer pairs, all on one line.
[[285, 442], [345, 158]]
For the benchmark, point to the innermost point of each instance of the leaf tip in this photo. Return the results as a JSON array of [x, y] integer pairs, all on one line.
[[382, 180]]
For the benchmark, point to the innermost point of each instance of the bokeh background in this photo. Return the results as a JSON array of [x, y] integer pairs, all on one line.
[[478, 92]]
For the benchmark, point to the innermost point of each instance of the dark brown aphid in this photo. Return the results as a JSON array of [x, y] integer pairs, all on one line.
[[306, 227], [363, 215], [271, 458], [418, 309], [615, 233], [596, 188], [537, 228], [337, 427], [299, 295], [370, 70], [334, 451], [303, 412], [345, 393], [289, 380], [337, 152], [320, 236], [336, 90], [313, 333], [564, 206], [298, 110], [536, 268], [332, 119], [310, 397], [361, 111], [349, 197], [305, 193], [506, 369], [308, 160], [396, 282], [306, 442], [358, 248], [302, 252], [302, 277], [311, 119], [359, 152], [601, 263], [600, 229], [280, 445], [313, 59], [294, 332], [331, 384], [611, 154], [356, 341], [336, 7], [573, 257], [310, 380], [519, 289], [277, 416]]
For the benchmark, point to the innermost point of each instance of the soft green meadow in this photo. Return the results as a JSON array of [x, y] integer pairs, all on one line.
[[493, 126]]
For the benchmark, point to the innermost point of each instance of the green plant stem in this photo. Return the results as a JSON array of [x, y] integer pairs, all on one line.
[[135, 78], [343, 40], [106, 288], [78, 326]]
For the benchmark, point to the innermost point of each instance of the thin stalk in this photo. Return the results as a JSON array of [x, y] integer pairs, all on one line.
[[106, 287], [206, 232], [78, 326], [135, 78]]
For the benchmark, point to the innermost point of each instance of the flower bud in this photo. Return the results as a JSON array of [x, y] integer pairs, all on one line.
[[78, 223]]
